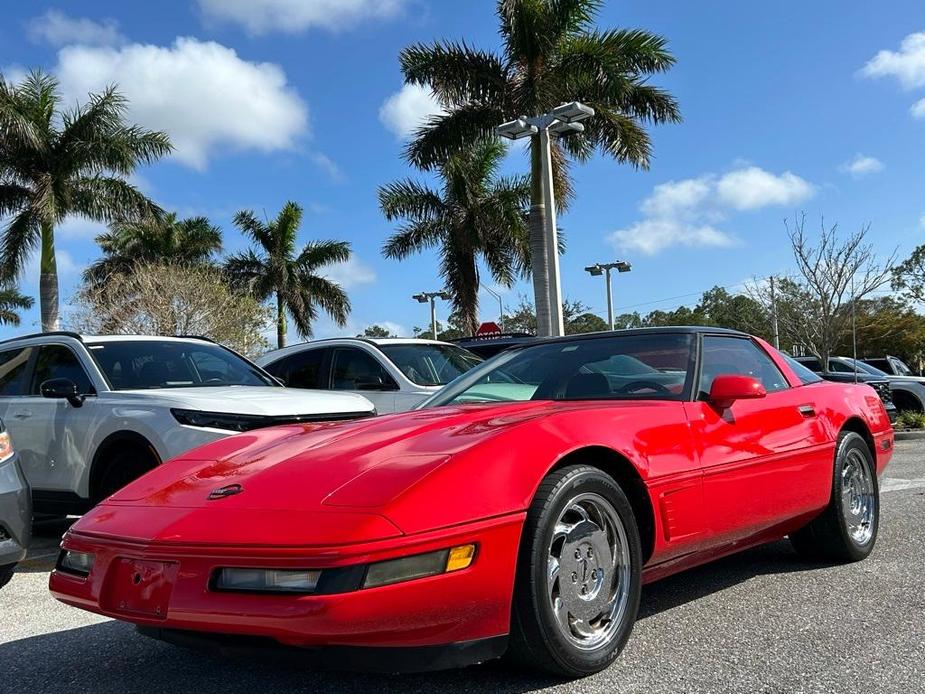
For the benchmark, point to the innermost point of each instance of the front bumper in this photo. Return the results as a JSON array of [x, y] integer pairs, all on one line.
[[15, 513], [450, 609]]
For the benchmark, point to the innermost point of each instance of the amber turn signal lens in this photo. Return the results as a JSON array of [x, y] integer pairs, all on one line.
[[460, 557]]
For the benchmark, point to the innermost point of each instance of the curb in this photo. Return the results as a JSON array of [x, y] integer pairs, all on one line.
[[918, 435]]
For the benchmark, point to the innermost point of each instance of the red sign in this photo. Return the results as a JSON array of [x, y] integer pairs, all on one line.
[[488, 328]]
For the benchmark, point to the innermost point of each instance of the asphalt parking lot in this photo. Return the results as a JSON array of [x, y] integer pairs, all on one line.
[[762, 621]]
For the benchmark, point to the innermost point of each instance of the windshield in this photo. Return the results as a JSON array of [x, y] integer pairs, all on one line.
[[144, 364], [431, 364], [866, 368], [900, 367], [627, 367]]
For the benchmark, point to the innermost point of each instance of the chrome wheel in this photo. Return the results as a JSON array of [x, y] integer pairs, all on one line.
[[588, 571], [858, 500]]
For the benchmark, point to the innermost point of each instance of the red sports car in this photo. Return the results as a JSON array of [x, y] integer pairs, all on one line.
[[520, 509]]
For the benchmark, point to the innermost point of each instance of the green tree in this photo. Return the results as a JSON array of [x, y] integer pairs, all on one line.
[[55, 164], [575, 316], [278, 269], [736, 311], [585, 323], [192, 241], [552, 53], [908, 277], [11, 301], [477, 215], [376, 331]]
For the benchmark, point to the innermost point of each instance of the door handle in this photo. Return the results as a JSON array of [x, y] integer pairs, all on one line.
[[22, 415], [807, 411]]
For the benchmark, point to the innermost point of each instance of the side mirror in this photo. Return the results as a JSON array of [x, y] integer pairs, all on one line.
[[62, 388], [727, 388]]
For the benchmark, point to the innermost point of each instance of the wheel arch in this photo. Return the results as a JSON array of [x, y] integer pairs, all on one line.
[[114, 441], [627, 476], [907, 400], [858, 426]]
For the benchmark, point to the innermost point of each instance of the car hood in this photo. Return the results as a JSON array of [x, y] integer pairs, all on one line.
[[255, 400]]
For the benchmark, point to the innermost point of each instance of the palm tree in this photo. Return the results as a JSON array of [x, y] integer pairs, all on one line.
[[477, 214], [551, 54], [12, 301], [277, 269], [54, 164], [192, 241]]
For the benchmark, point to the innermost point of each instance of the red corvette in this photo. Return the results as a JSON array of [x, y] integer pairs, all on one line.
[[519, 510]]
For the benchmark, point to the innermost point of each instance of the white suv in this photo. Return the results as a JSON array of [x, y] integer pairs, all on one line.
[[395, 373], [90, 414]]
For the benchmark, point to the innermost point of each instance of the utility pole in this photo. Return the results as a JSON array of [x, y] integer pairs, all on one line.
[[431, 297], [774, 330]]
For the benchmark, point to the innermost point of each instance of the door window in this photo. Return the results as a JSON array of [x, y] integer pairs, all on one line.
[[738, 356], [13, 364], [354, 369], [302, 370], [58, 361]]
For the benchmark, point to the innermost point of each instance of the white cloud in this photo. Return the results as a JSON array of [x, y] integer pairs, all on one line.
[[201, 93], [352, 273], [292, 16], [752, 188], [861, 165], [58, 29], [393, 328], [79, 228], [653, 235], [329, 166], [408, 109], [14, 74], [687, 212], [907, 64], [922, 221], [918, 109]]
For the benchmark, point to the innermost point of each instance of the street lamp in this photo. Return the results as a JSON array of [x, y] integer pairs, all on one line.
[[599, 269], [500, 305], [562, 120], [425, 297]]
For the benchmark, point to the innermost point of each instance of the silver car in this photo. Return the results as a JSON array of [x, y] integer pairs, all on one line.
[[15, 509]]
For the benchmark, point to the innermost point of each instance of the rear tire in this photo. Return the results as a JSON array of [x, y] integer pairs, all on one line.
[[6, 573], [576, 593], [847, 530]]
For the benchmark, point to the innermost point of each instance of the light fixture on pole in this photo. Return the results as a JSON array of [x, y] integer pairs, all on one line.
[[431, 297], [599, 269], [562, 120]]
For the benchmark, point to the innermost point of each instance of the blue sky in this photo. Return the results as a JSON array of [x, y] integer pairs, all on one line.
[[788, 106]]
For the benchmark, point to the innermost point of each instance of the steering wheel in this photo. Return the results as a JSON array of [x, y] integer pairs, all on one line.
[[634, 386]]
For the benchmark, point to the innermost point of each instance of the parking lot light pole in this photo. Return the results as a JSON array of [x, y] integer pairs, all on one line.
[[604, 269], [562, 120], [432, 297], [500, 305]]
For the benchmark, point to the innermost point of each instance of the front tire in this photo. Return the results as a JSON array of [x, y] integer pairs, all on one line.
[[6, 573], [578, 582], [847, 529]]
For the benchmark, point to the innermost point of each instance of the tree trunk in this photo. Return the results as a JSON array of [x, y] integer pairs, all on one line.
[[539, 259], [280, 321], [48, 279]]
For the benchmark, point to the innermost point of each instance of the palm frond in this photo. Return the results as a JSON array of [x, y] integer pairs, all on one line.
[[317, 254], [620, 136], [443, 135], [286, 227], [107, 198], [414, 237], [13, 198], [455, 72], [20, 239], [249, 272], [328, 295], [409, 199], [249, 225]]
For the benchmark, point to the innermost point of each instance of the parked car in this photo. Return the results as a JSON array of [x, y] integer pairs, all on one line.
[[90, 414], [15, 509], [490, 345], [452, 533], [395, 373], [891, 365], [908, 391], [846, 370]]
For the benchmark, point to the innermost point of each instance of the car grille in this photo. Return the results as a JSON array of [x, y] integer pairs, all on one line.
[[883, 390], [272, 421]]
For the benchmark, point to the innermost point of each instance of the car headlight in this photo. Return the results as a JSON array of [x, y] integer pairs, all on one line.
[[215, 420], [6, 445], [267, 580], [77, 563], [384, 573]]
